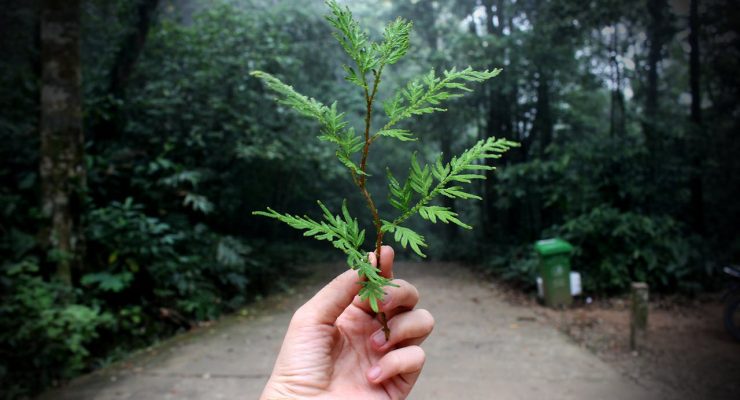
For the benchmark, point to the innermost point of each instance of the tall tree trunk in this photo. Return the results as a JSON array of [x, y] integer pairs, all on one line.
[[696, 185], [62, 166], [123, 67], [543, 124], [132, 47], [653, 139], [617, 120], [656, 37], [494, 114]]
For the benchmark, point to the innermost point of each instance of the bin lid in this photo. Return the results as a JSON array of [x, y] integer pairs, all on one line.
[[552, 246]]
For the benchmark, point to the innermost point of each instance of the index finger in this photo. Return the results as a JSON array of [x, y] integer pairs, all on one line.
[[386, 261]]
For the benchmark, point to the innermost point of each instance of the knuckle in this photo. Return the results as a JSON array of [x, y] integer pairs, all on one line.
[[394, 360], [302, 314]]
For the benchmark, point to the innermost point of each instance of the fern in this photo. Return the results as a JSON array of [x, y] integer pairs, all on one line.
[[424, 182]]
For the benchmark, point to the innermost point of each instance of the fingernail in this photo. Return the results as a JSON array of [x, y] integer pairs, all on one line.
[[379, 338], [374, 373], [386, 299]]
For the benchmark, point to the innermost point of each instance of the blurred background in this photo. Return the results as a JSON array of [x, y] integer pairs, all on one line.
[[126, 198]]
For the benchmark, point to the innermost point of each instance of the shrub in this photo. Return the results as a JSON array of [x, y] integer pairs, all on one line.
[[614, 248], [44, 334]]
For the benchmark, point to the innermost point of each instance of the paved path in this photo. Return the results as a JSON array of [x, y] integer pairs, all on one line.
[[482, 348]]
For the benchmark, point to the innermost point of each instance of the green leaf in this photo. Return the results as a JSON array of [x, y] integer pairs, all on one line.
[[456, 192], [400, 134], [353, 78], [399, 196], [406, 236], [107, 281], [423, 95], [288, 96], [198, 203], [420, 178], [396, 42], [466, 178], [457, 170], [444, 214], [341, 230], [353, 40]]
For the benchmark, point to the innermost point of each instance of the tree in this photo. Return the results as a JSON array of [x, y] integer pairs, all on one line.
[[62, 165], [129, 50], [696, 190], [657, 33]]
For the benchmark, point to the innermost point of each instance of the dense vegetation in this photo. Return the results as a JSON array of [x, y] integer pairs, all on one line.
[[626, 113]]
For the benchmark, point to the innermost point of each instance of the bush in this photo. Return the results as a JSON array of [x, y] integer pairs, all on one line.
[[191, 270], [613, 249], [518, 265], [44, 334]]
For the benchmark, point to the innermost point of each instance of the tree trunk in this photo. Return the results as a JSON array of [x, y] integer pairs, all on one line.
[[543, 123], [617, 119], [696, 186], [656, 35], [653, 139], [132, 46], [493, 120], [62, 167], [123, 67]]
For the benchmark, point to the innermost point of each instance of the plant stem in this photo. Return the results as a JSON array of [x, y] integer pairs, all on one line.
[[362, 183]]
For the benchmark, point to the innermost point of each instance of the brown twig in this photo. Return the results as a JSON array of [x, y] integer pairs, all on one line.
[[361, 183]]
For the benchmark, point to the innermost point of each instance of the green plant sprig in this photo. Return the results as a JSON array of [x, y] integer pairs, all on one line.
[[423, 95]]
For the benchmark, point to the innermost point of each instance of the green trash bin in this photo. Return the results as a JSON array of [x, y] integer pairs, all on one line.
[[554, 269]]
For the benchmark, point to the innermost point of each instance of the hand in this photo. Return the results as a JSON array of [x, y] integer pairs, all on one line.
[[335, 347]]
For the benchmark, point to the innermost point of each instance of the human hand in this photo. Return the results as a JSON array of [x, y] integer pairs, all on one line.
[[335, 348]]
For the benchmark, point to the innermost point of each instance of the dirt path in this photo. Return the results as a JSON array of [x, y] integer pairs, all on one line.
[[482, 348]]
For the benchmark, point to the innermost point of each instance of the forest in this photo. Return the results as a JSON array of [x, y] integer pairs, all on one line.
[[136, 145]]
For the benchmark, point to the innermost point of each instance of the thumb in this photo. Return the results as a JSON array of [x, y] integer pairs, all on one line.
[[331, 301]]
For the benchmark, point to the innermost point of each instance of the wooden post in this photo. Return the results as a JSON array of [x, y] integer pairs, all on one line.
[[639, 317]]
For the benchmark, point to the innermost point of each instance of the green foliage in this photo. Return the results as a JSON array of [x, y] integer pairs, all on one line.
[[613, 249], [405, 236], [304, 105], [192, 142], [424, 95], [616, 248], [368, 56], [193, 270], [589, 205], [421, 96], [344, 233], [43, 335], [458, 170]]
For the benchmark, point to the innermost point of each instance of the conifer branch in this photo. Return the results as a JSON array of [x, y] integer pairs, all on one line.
[[420, 96]]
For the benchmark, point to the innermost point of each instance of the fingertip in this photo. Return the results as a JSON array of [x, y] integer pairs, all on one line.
[[371, 257], [387, 251], [406, 361], [386, 261], [373, 374]]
